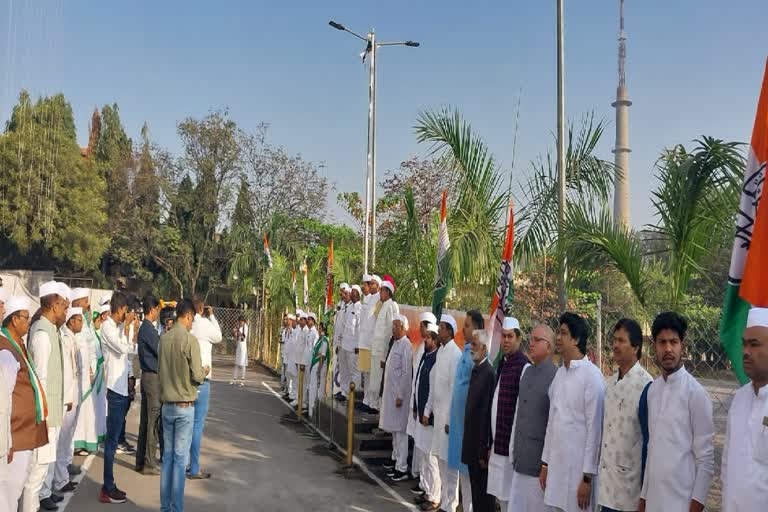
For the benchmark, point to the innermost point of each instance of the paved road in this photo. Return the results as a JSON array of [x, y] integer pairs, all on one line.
[[259, 461]]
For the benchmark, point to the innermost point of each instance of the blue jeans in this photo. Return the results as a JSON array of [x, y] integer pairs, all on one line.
[[177, 434], [201, 411], [117, 408]]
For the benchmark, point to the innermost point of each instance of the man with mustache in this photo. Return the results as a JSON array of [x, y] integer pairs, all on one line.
[[681, 453], [620, 457], [745, 454]]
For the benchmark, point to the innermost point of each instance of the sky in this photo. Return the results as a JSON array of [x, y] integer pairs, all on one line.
[[693, 68]]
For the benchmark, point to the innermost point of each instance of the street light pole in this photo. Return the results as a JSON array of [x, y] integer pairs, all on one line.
[[563, 278], [372, 143], [370, 179]]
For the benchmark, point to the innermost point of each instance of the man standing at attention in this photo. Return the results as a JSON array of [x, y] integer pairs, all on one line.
[[473, 321], [530, 424], [476, 443], [745, 454], [439, 406], [424, 320], [503, 409], [28, 406], [428, 491], [339, 320], [149, 423], [46, 355], [572, 443], [347, 351], [382, 333], [367, 322], [397, 395], [180, 374], [621, 455], [208, 333], [681, 453], [117, 345]]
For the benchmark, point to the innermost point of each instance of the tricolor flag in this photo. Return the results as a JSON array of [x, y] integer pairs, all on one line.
[[293, 290], [306, 283], [443, 270], [502, 299], [747, 277], [329, 283], [267, 254]]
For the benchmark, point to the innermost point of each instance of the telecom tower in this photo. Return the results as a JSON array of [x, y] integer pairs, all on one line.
[[621, 149]]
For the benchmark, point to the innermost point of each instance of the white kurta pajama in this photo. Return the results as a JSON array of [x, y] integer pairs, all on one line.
[[337, 363], [318, 372], [410, 429], [241, 354], [745, 453], [367, 323], [9, 492], [382, 333], [429, 477], [72, 394], [87, 434], [622, 450], [291, 348], [572, 441], [439, 404], [681, 457], [397, 386], [309, 339], [348, 368]]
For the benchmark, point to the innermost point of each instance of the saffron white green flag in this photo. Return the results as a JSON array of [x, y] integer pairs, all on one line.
[[748, 274], [443, 270]]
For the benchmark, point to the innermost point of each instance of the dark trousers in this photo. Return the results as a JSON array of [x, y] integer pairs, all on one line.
[[149, 424], [481, 500], [117, 407]]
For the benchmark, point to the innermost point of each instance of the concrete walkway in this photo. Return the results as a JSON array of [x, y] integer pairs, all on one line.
[[259, 461]]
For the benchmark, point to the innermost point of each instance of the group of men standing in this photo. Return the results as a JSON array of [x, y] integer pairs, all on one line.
[[67, 381], [534, 435]]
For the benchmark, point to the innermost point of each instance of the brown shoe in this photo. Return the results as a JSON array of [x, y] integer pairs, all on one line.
[[150, 470]]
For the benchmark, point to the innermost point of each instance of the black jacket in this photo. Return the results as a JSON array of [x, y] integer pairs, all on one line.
[[428, 360], [149, 345], [477, 416]]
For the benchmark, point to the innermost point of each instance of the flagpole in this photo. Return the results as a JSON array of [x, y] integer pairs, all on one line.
[[562, 292], [372, 145]]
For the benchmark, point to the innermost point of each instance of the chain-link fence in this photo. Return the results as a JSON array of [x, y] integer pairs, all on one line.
[[262, 341]]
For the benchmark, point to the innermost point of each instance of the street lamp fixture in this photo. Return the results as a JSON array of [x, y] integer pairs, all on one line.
[[370, 179]]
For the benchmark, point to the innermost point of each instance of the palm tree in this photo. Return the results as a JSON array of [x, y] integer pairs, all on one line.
[[475, 215], [696, 194]]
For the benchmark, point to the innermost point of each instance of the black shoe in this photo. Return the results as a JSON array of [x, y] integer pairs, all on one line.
[[70, 487], [388, 465], [417, 491], [48, 504], [74, 470], [126, 448], [428, 505], [371, 410], [420, 499], [113, 496], [399, 476], [56, 498], [200, 476]]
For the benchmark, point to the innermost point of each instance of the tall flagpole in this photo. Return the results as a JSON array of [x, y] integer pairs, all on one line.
[[563, 278]]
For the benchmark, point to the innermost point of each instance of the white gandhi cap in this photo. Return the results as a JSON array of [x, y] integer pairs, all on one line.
[[510, 323], [758, 317], [73, 311], [18, 303]]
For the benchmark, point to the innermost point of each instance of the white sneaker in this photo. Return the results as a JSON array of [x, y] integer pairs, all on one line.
[[231, 382], [242, 384]]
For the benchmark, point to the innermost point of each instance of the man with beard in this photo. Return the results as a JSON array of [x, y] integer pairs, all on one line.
[[681, 452]]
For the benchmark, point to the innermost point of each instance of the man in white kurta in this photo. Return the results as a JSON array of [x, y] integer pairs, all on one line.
[[310, 339], [347, 350], [44, 344], [621, 454], [72, 388], [439, 404], [681, 454], [396, 397], [367, 323], [428, 490], [241, 353], [386, 312], [425, 319], [288, 361], [339, 319], [572, 442], [9, 368], [90, 358], [744, 471]]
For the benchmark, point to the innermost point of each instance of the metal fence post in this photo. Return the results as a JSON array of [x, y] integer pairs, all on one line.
[[350, 423]]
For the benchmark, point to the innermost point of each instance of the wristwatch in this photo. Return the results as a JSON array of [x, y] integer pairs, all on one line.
[[587, 478]]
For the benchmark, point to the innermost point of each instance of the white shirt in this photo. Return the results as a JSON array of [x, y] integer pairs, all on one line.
[[745, 455], [9, 369], [71, 373], [574, 430], [382, 331], [338, 322], [116, 348], [310, 338], [208, 334], [622, 451], [439, 400], [40, 352], [367, 321], [349, 338], [681, 456]]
